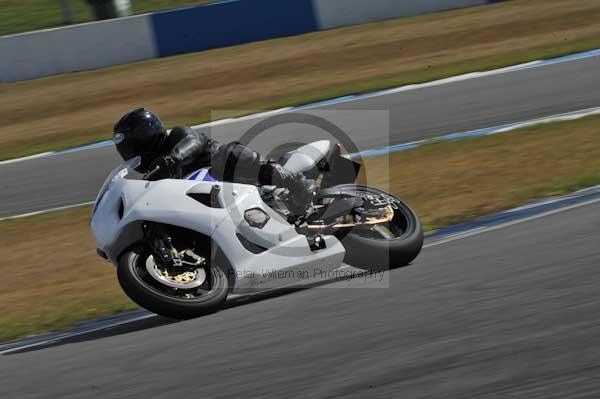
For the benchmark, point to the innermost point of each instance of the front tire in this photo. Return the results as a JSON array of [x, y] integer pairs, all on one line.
[[149, 294]]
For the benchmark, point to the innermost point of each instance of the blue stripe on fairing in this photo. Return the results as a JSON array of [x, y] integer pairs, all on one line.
[[208, 177], [195, 175]]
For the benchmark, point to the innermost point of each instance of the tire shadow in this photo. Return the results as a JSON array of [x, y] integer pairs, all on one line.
[[52, 340]]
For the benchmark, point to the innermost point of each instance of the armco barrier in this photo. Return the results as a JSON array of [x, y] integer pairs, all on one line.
[[120, 41], [334, 13], [76, 48], [229, 23]]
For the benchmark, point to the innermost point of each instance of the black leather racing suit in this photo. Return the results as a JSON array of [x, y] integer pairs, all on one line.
[[192, 150], [187, 150]]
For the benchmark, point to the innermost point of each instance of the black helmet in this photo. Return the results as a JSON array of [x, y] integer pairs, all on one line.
[[139, 132]]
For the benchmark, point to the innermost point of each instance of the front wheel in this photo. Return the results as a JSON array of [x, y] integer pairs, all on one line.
[[393, 244], [179, 294]]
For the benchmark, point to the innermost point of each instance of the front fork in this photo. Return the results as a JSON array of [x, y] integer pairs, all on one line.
[[160, 243], [164, 252]]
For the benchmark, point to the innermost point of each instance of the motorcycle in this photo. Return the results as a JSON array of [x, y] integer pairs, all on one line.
[[181, 246]]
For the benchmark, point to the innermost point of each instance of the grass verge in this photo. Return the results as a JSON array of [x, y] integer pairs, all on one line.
[[453, 182], [60, 282], [52, 277], [73, 109]]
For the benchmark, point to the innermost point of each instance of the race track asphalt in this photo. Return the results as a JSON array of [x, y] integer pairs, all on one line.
[[427, 112], [511, 312]]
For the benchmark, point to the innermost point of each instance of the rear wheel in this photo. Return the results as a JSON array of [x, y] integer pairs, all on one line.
[[179, 293], [383, 246]]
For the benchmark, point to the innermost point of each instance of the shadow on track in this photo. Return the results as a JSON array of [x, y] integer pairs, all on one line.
[[158, 321]]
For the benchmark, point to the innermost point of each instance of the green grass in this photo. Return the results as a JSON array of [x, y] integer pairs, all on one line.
[[445, 182], [18, 16]]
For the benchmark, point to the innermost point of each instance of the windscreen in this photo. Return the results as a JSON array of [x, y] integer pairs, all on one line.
[[118, 173]]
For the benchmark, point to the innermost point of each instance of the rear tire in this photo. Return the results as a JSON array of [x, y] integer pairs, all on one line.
[[149, 297], [379, 254]]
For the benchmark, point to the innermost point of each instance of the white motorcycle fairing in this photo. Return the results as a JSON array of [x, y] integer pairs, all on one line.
[[278, 255]]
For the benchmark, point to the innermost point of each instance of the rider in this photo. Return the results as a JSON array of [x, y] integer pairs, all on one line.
[[176, 153]]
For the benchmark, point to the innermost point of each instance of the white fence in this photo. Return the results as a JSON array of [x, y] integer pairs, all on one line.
[[76, 48], [120, 41], [334, 13]]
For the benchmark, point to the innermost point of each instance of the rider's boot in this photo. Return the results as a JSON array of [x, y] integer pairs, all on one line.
[[302, 190]]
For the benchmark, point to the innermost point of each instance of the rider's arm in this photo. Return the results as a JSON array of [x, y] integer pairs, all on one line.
[[190, 145]]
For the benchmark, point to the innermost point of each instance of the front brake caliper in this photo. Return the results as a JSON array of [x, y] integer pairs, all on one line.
[[190, 258]]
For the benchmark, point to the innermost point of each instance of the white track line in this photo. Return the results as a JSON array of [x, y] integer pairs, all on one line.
[[481, 230], [40, 155], [394, 148], [569, 116], [67, 335], [60, 208], [359, 97]]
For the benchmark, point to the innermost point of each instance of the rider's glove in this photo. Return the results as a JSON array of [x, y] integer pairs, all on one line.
[[163, 168]]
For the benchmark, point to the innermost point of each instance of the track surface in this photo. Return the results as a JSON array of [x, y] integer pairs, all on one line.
[[477, 103], [483, 316]]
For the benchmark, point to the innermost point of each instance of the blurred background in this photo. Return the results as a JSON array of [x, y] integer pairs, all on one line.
[[63, 89], [493, 106], [22, 16]]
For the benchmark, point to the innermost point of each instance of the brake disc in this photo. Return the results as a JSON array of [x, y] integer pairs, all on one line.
[[185, 279]]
